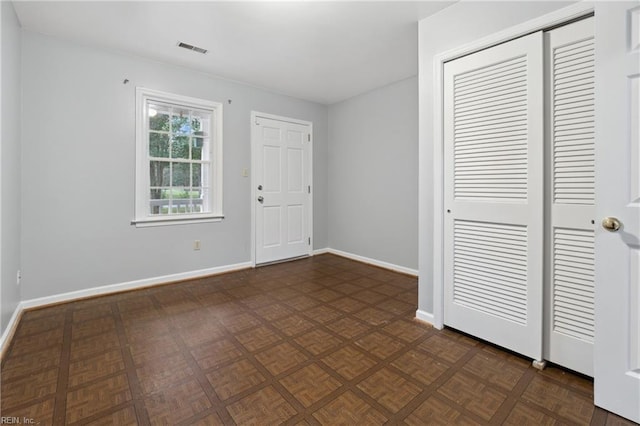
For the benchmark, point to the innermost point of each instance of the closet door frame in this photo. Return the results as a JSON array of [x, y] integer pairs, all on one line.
[[557, 18]]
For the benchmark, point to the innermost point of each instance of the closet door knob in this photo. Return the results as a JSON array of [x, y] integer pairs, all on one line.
[[611, 224]]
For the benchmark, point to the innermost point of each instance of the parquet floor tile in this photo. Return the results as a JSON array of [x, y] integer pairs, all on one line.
[[173, 405], [420, 366], [235, 378], [96, 397], [349, 409], [310, 384], [434, 411], [318, 341], [349, 362], [379, 345], [40, 411], [163, 373], [281, 358], [389, 389], [30, 387], [264, 407], [123, 417], [213, 354], [88, 369], [473, 395], [40, 325]]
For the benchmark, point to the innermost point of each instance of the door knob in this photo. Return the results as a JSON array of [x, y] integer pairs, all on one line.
[[261, 199], [259, 187], [611, 224]]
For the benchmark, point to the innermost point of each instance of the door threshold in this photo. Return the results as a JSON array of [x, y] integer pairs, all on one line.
[[288, 259]]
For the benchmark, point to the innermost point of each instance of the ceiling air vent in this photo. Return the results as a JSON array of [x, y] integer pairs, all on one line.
[[191, 47]]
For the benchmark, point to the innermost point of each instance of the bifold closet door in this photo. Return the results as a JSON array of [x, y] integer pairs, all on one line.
[[493, 177], [569, 331]]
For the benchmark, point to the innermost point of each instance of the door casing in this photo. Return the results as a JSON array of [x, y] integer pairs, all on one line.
[[556, 18]]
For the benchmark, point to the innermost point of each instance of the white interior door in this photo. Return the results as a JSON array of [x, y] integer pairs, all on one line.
[[617, 342], [570, 124], [282, 151], [493, 194]]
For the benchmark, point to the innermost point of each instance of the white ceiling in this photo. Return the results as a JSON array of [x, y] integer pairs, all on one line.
[[319, 51]]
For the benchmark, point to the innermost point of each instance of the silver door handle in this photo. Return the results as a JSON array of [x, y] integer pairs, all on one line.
[[261, 199]]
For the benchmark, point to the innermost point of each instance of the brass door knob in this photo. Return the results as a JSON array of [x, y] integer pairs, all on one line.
[[611, 224]]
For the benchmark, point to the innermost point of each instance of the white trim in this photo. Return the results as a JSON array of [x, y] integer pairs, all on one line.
[[549, 20], [10, 330], [166, 279], [374, 262], [426, 317], [254, 116], [131, 285], [145, 223], [109, 289], [215, 184]]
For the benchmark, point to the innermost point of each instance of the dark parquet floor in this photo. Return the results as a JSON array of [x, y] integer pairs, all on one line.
[[323, 340]]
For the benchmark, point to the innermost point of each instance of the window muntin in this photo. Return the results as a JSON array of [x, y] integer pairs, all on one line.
[[179, 158]]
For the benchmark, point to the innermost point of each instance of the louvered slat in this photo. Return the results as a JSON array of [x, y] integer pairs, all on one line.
[[490, 132], [573, 283], [490, 268], [573, 123]]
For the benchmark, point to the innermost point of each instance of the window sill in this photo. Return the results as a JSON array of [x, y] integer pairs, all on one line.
[[169, 221]]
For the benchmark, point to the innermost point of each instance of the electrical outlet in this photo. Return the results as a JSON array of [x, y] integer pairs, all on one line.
[[18, 277], [196, 245]]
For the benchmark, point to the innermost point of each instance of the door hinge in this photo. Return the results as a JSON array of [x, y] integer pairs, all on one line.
[[309, 189], [309, 240], [308, 137]]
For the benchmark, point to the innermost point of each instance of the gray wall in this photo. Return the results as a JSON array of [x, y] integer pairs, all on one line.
[[450, 28], [10, 164], [78, 180], [373, 174]]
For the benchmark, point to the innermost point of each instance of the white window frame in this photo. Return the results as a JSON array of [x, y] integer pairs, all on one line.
[[143, 217]]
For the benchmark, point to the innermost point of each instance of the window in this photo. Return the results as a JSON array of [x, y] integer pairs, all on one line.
[[179, 159]]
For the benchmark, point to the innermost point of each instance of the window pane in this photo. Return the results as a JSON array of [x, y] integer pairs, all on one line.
[[196, 174], [158, 202], [180, 174], [159, 173], [180, 147], [158, 117], [196, 200], [200, 120], [196, 123], [180, 200], [158, 145], [196, 147], [206, 202], [180, 122], [173, 140]]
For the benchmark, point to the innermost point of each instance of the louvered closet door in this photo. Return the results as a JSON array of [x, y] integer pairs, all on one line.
[[493, 137], [569, 330]]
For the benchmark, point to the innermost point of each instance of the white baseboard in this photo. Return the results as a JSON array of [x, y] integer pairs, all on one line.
[[380, 263], [10, 330], [105, 290], [131, 285], [425, 316], [149, 282]]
